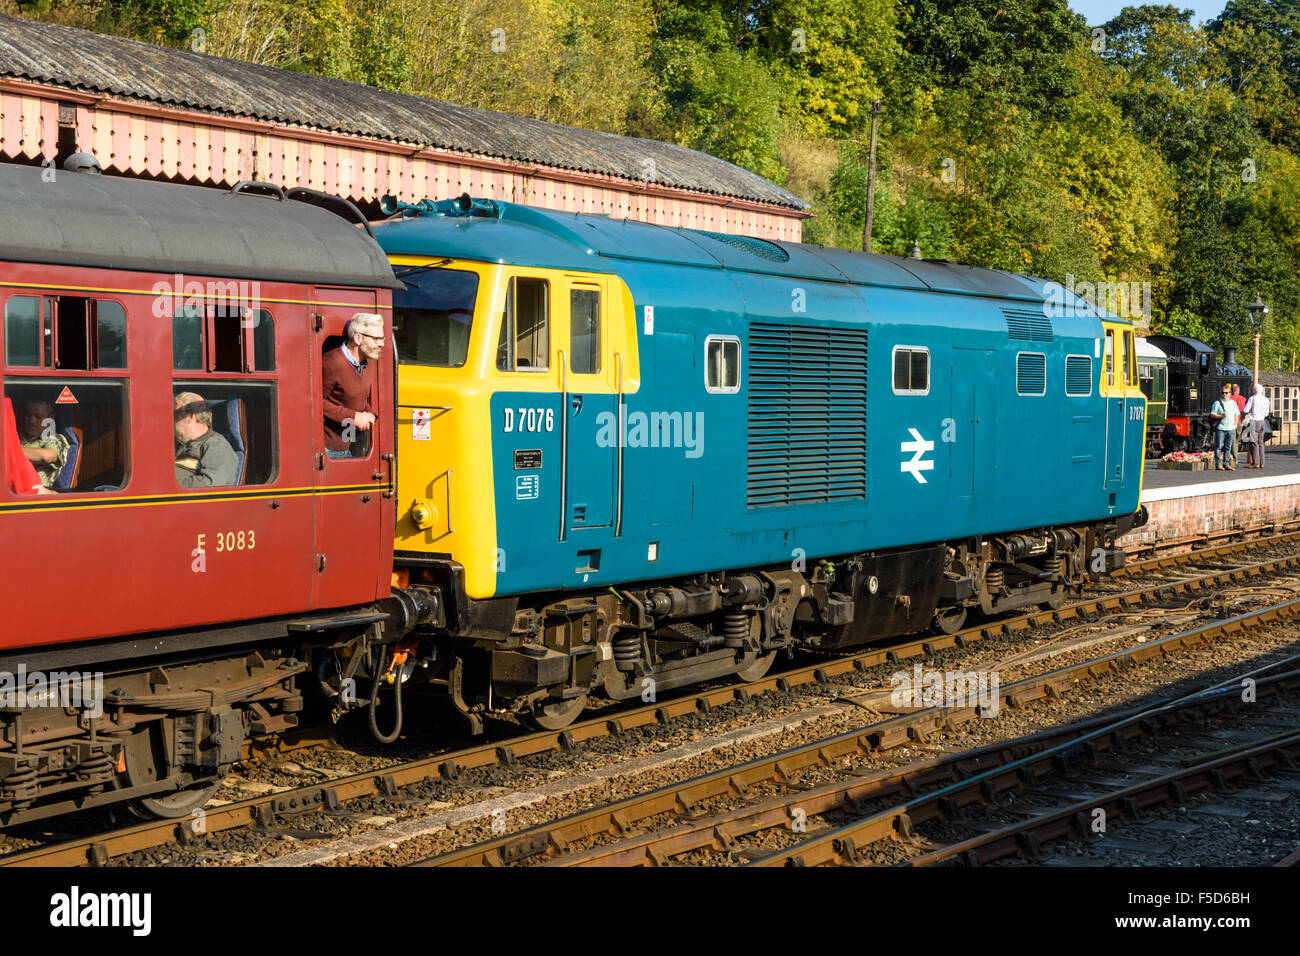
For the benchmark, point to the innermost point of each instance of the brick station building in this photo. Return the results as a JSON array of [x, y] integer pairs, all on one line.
[[179, 116]]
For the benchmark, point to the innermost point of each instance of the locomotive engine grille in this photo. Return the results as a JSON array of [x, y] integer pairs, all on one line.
[[807, 415]]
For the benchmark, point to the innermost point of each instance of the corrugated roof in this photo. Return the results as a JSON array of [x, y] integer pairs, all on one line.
[[64, 56]]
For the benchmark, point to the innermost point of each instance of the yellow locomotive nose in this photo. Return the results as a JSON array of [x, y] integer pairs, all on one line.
[[423, 514]]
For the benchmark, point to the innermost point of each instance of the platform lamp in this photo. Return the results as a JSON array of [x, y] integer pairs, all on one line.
[[1258, 310]]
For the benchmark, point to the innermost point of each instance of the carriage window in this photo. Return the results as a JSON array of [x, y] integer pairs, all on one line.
[[72, 431], [911, 370], [433, 315], [584, 331], [23, 330], [222, 336], [721, 364], [225, 432], [525, 341], [65, 332]]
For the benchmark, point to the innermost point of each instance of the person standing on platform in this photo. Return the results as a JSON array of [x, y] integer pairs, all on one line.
[[1241, 407], [1226, 413], [1258, 408]]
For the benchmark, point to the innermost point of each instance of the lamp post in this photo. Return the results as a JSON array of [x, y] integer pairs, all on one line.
[[1257, 311]]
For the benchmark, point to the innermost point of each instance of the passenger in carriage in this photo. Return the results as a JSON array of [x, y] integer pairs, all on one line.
[[349, 379], [204, 457], [48, 454]]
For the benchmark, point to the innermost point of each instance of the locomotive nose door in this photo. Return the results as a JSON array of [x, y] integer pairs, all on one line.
[[1114, 368]]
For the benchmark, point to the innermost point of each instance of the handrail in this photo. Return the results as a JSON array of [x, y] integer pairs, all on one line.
[[564, 447], [618, 425]]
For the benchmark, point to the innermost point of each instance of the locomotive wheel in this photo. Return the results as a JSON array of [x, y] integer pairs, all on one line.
[[146, 762], [949, 620], [179, 804], [558, 715], [756, 668]]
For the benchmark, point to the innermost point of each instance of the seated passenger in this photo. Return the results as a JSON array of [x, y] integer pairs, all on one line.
[[204, 457], [349, 380], [48, 455], [22, 477]]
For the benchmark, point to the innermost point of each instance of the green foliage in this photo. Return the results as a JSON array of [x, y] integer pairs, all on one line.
[[1011, 136]]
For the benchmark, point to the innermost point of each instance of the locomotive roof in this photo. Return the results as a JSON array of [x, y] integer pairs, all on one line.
[[83, 219], [1193, 345], [48, 53], [524, 235]]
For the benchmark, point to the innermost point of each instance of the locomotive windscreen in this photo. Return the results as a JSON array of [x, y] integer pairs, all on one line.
[[433, 315]]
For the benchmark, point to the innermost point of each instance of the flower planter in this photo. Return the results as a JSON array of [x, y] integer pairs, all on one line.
[[1185, 465]]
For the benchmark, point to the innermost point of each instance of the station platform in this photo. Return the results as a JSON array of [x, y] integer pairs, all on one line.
[[1184, 504]]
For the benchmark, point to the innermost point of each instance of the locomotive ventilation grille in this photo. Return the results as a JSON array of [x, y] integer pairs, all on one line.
[[1028, 325], [807, 415]]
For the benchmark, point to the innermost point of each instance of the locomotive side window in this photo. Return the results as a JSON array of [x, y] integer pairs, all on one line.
[[1110, 357], [433, 315], [722, 364], [525, 341], [584, 330], [1078, 376], [911, 370], [1031, 373], [1130, 359]]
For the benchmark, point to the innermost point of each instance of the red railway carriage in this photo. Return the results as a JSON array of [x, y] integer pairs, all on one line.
[[118, 296]]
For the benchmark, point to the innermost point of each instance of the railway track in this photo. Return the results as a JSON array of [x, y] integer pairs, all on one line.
[[782, 771], [263, 811]]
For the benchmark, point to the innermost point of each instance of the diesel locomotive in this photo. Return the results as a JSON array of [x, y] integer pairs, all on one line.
[[611, 458]]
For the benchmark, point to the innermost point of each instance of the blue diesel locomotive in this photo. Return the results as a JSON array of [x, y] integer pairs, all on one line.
[[632, 456]]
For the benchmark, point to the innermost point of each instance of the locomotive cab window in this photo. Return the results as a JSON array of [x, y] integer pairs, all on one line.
[[722, 364], [525, 341], [433, 316], [584, 330], [911, 370]]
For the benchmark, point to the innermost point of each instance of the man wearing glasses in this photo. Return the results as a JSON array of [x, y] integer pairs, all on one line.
[[1226, 413], [350, 392]]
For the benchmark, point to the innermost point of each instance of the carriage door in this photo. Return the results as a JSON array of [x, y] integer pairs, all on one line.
[[353, 546], [590, 438], [1112, 392]]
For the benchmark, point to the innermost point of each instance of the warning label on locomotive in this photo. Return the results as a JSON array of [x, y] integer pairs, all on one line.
[[526, 459], [420, 424]]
